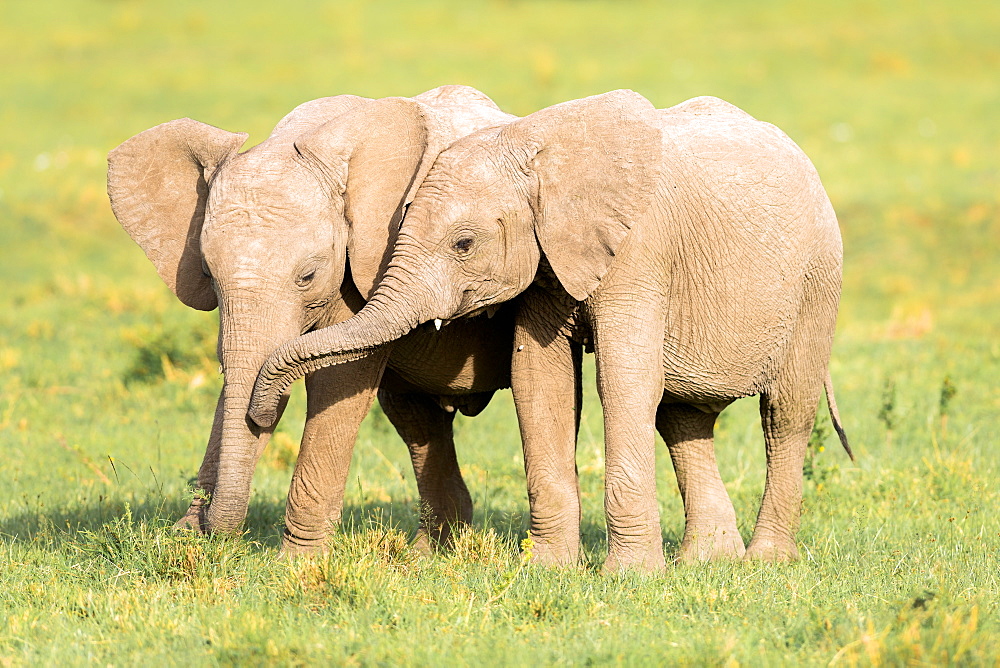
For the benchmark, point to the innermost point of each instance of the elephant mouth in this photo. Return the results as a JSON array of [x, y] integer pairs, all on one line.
[[477, 308], [489, 311]]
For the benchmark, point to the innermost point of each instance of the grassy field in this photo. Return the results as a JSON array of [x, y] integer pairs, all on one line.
[[107, 382]]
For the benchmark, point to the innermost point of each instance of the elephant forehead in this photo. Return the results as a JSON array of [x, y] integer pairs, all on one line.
[[249, 260], [261, 179], [240, 250], [253, 209], [243, 199], [280, 231], [456, 186], [472, 160], [245, 239], [261, 192]]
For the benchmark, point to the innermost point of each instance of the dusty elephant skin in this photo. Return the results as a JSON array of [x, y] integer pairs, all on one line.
[[291, 235], [693, 248]]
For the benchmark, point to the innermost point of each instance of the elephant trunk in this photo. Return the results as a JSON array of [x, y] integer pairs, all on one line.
[[383, 319], [242, 441]]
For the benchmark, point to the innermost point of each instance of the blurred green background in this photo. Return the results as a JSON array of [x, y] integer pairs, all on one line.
[[107, 382]]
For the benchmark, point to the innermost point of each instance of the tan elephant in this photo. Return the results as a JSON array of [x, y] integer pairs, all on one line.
[[289, 236], [693, 249]]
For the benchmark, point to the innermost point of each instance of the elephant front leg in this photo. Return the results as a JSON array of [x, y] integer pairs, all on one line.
[[710, 531], [426, 428], [545, 380], [338, 398], [628, 345]]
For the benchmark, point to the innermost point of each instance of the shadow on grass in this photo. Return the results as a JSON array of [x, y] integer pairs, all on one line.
[[53, 528]]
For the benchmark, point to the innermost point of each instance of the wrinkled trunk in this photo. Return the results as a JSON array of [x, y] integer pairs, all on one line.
[[208, 474], [394, 310], [244, 348]]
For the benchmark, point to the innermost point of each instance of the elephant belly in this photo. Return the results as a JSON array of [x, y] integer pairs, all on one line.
[[466, 356], [724, 353], [712, 387], [731, 310]]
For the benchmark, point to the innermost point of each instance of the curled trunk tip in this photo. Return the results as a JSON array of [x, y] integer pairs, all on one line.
[[376, 325], [284, 366]]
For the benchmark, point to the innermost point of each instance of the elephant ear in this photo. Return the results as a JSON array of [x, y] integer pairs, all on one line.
[[464, 109], [310, 115], [158, 186], [597, 162], [455, 94], [374, 156]]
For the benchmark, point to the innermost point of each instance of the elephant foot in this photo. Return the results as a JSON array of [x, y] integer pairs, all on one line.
[[431, 539], [771, 549], [192, 520], [293, 546], [640, 560], [713, 544], [423, 544], [554, 553]]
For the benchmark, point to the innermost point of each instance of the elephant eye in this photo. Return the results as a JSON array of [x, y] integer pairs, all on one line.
[[463, 245], [306, 279], [204, 269]]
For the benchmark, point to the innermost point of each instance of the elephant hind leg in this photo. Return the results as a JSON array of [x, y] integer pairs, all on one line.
[[788, 412], [710, 531], [426, 428], [787, 421]]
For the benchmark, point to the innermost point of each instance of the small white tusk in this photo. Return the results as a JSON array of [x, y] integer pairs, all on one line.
[[437, 324]]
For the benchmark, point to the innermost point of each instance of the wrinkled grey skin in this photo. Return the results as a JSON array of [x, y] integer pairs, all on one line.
[[289, 236], [694, 249]]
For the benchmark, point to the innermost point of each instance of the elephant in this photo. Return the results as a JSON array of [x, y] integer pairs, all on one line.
[[289, 236], [692, 249]]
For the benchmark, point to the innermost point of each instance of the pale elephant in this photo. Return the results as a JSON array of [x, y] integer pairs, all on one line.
[[694, 249], [289, 236]]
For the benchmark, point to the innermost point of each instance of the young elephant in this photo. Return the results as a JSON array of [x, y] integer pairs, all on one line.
[[693, 248], [289, 236]]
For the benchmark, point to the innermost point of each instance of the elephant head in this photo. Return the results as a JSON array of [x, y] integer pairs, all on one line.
[[289, 235], [564, 183]]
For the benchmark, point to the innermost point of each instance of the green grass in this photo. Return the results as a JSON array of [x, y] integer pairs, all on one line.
[[896, 104]]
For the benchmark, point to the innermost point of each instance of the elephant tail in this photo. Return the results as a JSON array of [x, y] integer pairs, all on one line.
[[835, 414]]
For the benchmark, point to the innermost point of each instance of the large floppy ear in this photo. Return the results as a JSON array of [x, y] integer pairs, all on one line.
[[314, 113], [597, 162], [158, 186], [374, 156], [464, 110]]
